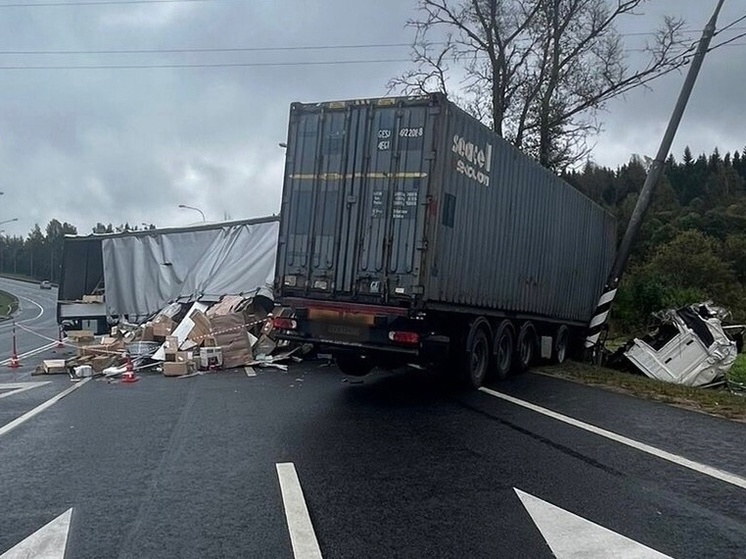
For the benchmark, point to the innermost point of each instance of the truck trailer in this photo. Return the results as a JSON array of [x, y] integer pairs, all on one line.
[[412, 234]]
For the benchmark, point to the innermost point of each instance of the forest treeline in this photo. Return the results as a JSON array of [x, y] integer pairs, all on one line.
[[692, 246]]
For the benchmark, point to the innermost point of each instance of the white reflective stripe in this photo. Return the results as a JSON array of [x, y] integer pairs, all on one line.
[[607, 297], [590, 341], [599, 319]]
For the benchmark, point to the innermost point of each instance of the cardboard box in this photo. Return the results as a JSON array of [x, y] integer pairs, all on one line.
[[201, 329], [80, 336], [230, 334], [210, 341], [162, 329], [54, 366], [175, 369], [184, 357], [171, 347], [93, 298], [147, 333], [210, 358]]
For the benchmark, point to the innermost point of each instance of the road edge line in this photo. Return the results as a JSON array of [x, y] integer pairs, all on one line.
[[710, 471]]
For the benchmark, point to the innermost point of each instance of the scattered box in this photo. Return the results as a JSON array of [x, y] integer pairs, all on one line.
[[201, 328], [80, 336], [162, 329], [83, 371], [171, 347], [54, 366], [147, 333], [210, 357], [175, 369]]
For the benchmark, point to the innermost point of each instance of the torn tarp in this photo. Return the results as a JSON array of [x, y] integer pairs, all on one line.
[[689, 346], [140, 271]]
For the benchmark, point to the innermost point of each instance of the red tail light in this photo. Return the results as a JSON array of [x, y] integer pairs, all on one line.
[[408, 338], [285, 324]]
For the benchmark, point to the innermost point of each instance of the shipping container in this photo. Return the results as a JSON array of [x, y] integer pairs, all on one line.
[[404, 209]]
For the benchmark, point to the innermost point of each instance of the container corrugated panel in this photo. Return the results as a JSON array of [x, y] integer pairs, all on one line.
[[410, 201]]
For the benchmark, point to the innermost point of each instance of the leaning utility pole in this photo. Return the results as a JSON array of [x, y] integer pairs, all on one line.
[[646, 194]]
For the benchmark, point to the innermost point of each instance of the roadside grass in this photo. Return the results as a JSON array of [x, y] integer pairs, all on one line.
[[720, 401], [8, 304]]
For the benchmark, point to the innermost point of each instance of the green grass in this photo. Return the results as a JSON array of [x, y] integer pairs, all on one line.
[[737, 374], [715, 401], [8, 304]]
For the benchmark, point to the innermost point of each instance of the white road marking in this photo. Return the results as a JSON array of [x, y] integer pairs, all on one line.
[[570, 536], [48, 542], [18, 387], [40, 408], [710, 471], [302, 536], [31, 352]]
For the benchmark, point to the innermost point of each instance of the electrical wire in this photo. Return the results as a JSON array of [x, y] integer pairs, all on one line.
[[102, 3]]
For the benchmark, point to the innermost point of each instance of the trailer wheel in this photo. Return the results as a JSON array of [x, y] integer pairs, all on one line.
[[504, 348], [525, 348], [477, 355], [353, 365], [561, 345]]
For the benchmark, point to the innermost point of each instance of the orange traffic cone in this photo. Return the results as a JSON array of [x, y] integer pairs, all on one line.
[[15, 362], [129, 372]]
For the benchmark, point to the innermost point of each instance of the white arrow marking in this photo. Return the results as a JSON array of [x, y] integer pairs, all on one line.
[[302, 536], [48, 542], [571, 537], [18, 387]]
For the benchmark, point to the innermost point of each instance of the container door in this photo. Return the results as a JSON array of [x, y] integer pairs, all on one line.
[[355, 195], [396, 199]]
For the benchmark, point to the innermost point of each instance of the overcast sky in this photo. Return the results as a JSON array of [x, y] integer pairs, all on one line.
[[130, 144]]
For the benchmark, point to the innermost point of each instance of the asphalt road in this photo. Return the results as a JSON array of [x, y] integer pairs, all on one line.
[[398, 465]]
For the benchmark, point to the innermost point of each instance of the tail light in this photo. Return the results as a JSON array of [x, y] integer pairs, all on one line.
[[408, 338], [285, 324]]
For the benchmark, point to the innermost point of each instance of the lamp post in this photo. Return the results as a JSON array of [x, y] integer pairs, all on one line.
[[8, 221], [185, 207]]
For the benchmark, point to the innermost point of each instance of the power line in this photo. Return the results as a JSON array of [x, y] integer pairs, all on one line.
[[207, 65], [199, 50], [103, 3]]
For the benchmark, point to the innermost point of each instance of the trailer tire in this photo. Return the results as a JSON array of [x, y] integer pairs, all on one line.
[[354, 366], [476, 359], [561, 345], [525, 348], [503, 348]]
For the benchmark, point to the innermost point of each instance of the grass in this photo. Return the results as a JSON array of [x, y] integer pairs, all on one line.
[[715, 401], [8, 304]]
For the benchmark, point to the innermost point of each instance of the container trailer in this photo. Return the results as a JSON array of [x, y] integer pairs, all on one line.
[[410, 233]]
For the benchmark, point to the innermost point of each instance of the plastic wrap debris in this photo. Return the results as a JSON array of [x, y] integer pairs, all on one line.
[[689, 346]]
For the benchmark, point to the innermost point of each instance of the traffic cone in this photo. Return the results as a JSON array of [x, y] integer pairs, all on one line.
[[15, 362], [129, 372]]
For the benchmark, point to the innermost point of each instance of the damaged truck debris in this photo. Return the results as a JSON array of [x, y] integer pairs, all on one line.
[[688, 346]]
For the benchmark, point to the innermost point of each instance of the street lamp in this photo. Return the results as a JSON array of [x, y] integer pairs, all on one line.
[[8, 220], [185, 207]]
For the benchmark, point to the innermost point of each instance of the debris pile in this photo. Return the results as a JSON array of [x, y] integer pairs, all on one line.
[[184, 340]]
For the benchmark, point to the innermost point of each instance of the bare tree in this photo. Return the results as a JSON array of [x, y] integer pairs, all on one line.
[[536, 71]]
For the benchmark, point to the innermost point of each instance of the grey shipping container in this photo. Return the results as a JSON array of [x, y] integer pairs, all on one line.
[[410, 203]]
